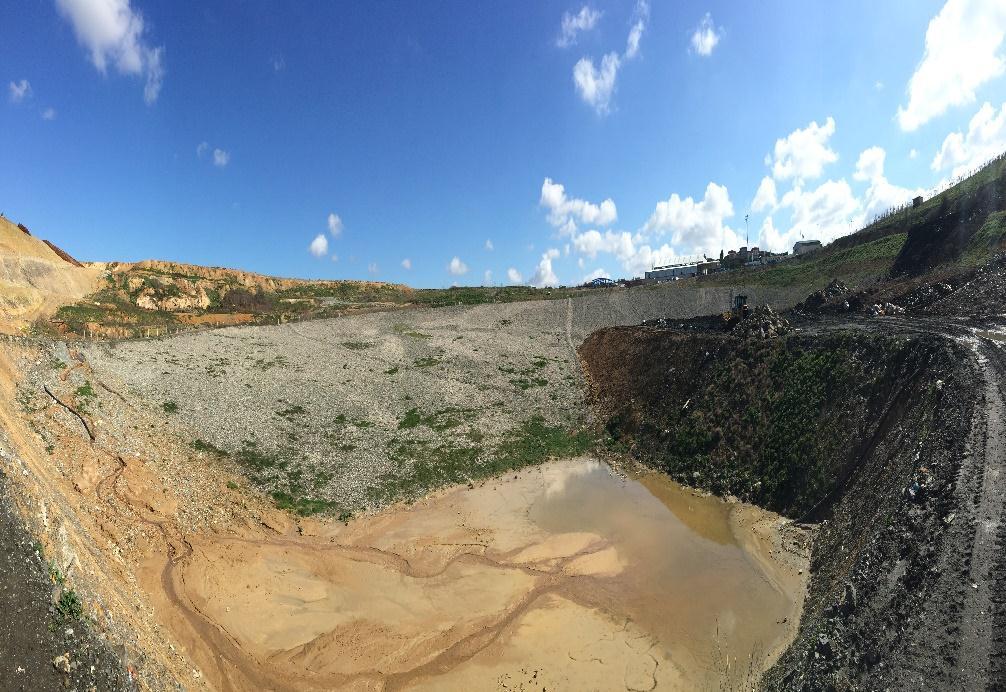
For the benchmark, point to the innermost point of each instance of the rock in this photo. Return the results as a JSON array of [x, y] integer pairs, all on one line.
[[62, 663], [824, 647]]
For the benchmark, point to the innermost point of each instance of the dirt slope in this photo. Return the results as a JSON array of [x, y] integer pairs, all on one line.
[[886, 436], [34, 280]]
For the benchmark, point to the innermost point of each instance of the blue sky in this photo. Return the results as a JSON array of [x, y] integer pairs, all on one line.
[[233, 133]]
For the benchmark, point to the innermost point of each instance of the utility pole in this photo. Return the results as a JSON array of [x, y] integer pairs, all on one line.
[[747, 233]]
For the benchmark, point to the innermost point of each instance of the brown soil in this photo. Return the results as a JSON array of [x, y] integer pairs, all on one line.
[[35, 280]]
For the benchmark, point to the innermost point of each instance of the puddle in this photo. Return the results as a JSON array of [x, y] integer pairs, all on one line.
[[567, 576], [994, 336]]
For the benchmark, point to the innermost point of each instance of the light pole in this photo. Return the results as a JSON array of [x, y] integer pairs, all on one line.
[[747, 233]]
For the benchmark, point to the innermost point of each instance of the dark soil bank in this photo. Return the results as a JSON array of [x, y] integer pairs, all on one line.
[[860, 433], [44, 643]]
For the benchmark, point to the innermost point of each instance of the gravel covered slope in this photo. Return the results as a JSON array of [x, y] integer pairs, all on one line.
[[43, 649]]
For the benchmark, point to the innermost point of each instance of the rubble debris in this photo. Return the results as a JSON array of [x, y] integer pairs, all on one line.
[[762, 323]]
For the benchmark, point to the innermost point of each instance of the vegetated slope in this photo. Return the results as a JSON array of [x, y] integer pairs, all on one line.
[[35, 278], [965, 224], [832, 427], [154, 297]]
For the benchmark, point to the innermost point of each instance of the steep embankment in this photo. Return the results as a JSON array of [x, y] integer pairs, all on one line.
[[36, 277], [861, 432]]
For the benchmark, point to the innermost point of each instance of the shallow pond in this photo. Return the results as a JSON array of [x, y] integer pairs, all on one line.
[[567, 576]]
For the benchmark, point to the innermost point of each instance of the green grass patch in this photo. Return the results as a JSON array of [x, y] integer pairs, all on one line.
[[203, 446], [426, 362], [170, 407], [357, 345]]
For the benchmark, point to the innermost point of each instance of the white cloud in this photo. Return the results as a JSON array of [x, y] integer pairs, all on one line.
[[114, 33], [878, 85], [514, 276], [563, 211], [19, 90], [406, 263], [49, 113], [636, 32], [372, 268], [765, 197], [913, 154], [592, 242], [489, 245], [824, 213], [335, 257], [962, 52], [881, 195], [985, 138], [870, 165], [572, 24], [202, 148], [596, 85], [596, 274], [487, 277], [697, 226], [155, 75], [319, 246], [543, 274], [221, 158], [334, 224], [803, 154], [457, 267], [705, 37]]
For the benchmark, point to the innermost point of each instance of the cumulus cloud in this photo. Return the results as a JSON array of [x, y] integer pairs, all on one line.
[[457, 267], [202, 148], [514, 276], [543, 273], [487, 277], [881, 195], [697, 226], [572, 24], [114, 33], [596, 274], [221, 158], [564, 211], [870, 164], [406, 263], [49, 113], [19, 90], [489, 245], [319, 246], [372, 268], [824, 213], [705, 37], [962, 52], [596, 84], [765, 197], [334, 224], [803, 154], [985, 138]]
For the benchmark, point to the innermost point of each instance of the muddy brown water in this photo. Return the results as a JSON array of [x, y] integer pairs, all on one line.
[[567, 576]]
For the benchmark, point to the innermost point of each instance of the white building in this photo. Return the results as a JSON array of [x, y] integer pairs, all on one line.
[[802, 247]]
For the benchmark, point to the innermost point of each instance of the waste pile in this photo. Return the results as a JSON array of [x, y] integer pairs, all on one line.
[[762, 323]]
